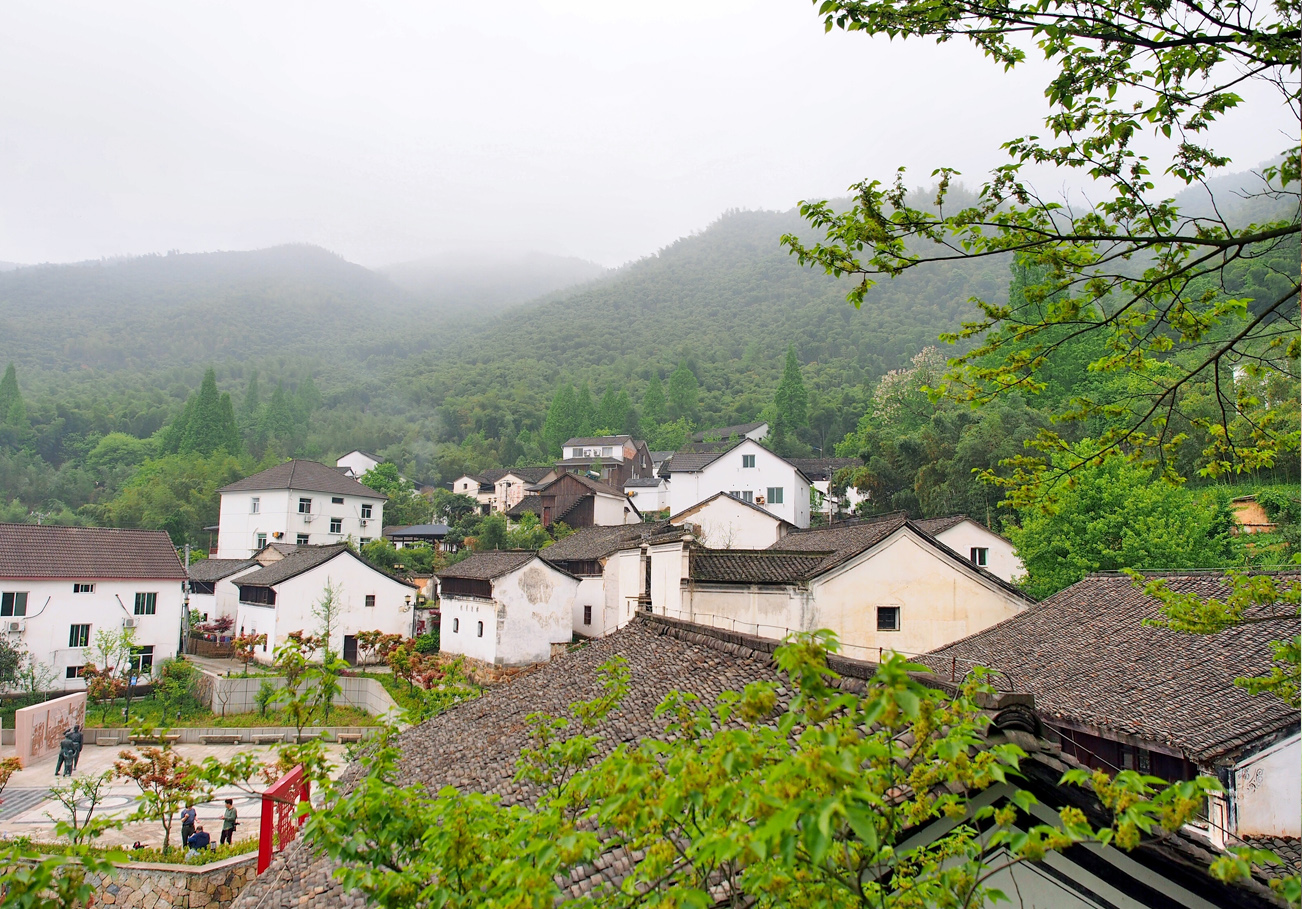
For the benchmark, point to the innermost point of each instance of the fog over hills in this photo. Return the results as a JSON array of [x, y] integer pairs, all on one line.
[[486, 281]]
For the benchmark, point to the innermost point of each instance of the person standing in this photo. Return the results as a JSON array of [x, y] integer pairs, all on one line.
[[77, 739], [67, 754], [188, 818], [229, 822]]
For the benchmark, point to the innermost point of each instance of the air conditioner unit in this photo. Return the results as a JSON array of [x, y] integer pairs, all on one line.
[[15, 627], [307, 518], [759, 500], [363, 522], [278, 534], [129, 623]]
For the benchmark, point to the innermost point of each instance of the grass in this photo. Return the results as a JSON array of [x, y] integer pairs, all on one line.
[[149, 712], [176, 856], [422, 704]]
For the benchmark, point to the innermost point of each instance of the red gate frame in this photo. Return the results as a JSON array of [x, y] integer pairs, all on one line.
[[280, 814]]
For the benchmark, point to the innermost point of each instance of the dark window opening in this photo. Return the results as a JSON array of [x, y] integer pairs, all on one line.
[[301, 539], [208, 587], [480, 632], [13, 604], [336, 525], [146, 604], [466, 587], [456, 626], [79, 636], [888, 618], [83, 588], [370, 599], [978, 556], [304, 506], [587, 615], [337, 500], [142, 660], [258, 596], [73, 672]]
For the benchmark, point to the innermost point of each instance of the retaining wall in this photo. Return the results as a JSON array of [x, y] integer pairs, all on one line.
[[235, 694], [191, 735], [155, 886]]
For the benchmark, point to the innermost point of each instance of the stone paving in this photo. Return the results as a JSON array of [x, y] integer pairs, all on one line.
[[25, 804]]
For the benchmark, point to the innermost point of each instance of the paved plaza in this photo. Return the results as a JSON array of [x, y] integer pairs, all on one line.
[[25, 804]]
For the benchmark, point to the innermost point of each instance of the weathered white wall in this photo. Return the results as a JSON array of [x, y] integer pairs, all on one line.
[[1268, 791], [668, 568], [535, 610], [609, 511], [767, 611], [224, 600], [464, 614], [278, 513], [649, 498], [1002, 560], [726, 523], [726, 474], [591, 592], [628, 577], [357, 463], [52, 608]]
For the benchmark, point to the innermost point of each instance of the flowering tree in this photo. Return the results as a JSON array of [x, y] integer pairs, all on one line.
[[167, 782], [245, 645]]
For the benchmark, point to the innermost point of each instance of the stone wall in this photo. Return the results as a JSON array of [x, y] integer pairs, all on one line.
[[145, 885]]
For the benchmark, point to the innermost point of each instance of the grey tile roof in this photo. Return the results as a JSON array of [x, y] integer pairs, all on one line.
[[934, 526], [597, 440], [46, 551], [1087, 657], [295, 562], [823, 468], [209, 570], [840, 542], [528, 474], [417, 530], [725, 432], [695, 456], [309, 476], [531, 504], [764, 566], [484, 566], [643, 482], [589, 543]]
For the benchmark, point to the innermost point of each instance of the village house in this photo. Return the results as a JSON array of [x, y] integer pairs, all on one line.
[[431, 535], [978, 543], [500, 488], [881, 586], [617, 458], [505, 609], [304, 503], [358, 462], [280, 596], [1126, 696], [650, 494], [754, 431], [581, 501], [213, 594], [59, 586], [821, 473], [744, 468], [611, 568], [725, 521]]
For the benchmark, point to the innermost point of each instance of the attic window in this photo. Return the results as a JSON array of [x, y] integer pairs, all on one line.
[[978, 556], [888, 618], [747, 460], [83, 588], [336, 500]]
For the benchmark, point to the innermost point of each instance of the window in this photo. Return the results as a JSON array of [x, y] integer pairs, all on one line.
[[146, 603], [456, 625], [336, 525], [257, 595], [261, 540], [748, 496], [83, 588], [978, 555], [365, 540], [78, 636], [587, 615], [747, 460], [13, 604], [204, 587], [775, 495], [888, 618], [336, 500], [73, 672], [301, 539], [304, 506], [366, 510], [605, 452], [480, 632], [370, 599], [142, 660], [255, 505]]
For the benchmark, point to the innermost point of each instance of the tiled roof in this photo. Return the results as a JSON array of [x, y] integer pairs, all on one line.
[[763, 566], [725, 432], [295, 562], [589, 543], [530, 504], [209, 570], [643, 482], [840, 542], [595, 485], [309, 476], [695, 456], [934, 526], [417, 530], [46, 551], [823, 468], [528, 474], [484, 566], [597, 440], [1088, 658]]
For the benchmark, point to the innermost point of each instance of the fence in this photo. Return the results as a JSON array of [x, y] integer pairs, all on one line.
[[205, 646], [280, 818]]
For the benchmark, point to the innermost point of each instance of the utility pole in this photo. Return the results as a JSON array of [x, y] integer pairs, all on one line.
[[185, 603]]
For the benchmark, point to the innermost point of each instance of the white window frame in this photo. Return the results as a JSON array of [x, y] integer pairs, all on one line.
[[366, 509], [979, 556], [747, 461], [83, 587], [255, 505], [899, 621], [304, 505], [336, 525], [302, 539], [259, 540]]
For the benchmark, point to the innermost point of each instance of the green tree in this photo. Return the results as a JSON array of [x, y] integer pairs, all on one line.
[[1120, 261], [653, 405], [15, 426], [791, 404], [492, 533], [1115, 516], [11, 659], [563, 419], [683, 392], [406, 506], [587, 412], [206, 425]]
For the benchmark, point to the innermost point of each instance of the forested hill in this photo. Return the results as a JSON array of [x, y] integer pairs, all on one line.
[[728, 300], [454, 283]]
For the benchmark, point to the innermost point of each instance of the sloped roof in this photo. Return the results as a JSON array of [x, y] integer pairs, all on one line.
[[840, 542], [596, 486], [597, 440], [643, 482], [295, 562], [210, 570], [530, 504], [484, 566], [417, 530], [740, 501], [365, 454], [528, 474], [934, 526], [309, 476], [751, 566], [1086, 656], [724, 432], [695, 456], [822, 468], [46, 551], [590, 543]]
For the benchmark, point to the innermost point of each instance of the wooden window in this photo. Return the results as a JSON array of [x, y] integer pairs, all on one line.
[[146, 603], [258, 596], [466, 587], [83, 588], [888, 618], [13, 604], [78, 636]]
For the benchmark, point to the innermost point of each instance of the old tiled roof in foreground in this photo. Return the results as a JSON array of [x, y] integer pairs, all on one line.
[[46, 551], [589, 543], [1086, 656], [484, 566]]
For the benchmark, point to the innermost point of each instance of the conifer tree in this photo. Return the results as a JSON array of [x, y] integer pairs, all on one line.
[[653, 405], [562, 419], [609, 416], [210, 423], [17, 429], [9, 393], [683, 390], [791, 400], [251, 406], [278, 419], [587, 412]]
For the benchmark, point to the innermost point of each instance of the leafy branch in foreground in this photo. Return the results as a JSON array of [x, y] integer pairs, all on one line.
[[750, 801], [1125, 264]]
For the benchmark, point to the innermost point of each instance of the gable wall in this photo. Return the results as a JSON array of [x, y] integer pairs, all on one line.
[[726, 523], [726, 474], [1002, 560]]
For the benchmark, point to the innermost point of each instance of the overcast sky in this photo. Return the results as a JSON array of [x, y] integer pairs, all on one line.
[[390, 131]]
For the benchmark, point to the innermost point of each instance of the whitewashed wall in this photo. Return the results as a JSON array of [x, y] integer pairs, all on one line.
[[1001, 558], [726, 474], [1268, 791], [460, 629], [278, 513], [726, 523], [609, 511], [532, 608]]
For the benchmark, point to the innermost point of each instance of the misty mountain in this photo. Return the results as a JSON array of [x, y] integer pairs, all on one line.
[[485, 282]]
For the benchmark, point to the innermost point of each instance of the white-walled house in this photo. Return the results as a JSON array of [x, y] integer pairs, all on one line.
[[61, 585], [977, 543], [302, 503], [213, 593], [505, 608], [358, 462], [611, 568], [821, 473], [649, 494], [744, 468], [280, 597], [724, 521]]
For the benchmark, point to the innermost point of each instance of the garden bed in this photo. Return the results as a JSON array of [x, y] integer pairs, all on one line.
[[148, 712]]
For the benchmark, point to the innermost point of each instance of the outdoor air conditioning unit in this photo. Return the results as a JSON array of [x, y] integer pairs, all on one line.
[[129, 623], [307, 518], [759, 500], [364, 522], [15, 627], [278, 534]]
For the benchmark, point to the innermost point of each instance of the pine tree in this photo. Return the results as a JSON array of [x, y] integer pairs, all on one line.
[[683, 390], [278, 420], [609, 417], [203, 432], [625, 421], [17, 429], [562, 419], [653, 404], [307, 399], [251, 406], [9, 392], [587, 412], [791, 400]]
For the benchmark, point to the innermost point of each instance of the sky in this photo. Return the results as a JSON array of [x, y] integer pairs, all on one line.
[[394, 131]]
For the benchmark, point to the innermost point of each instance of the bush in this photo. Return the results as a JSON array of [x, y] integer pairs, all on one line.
[[266, 694], [428, 642]]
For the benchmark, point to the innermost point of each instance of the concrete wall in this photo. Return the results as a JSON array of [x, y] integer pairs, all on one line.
[[120, 736], [608, 511], [52, 608], [157, 886], [278, 513], [668, 568], [1268, 791], [460, 630], [649, 498], [1002, 560], [726, 523], [592, 593], [239, 695], [39, 729]]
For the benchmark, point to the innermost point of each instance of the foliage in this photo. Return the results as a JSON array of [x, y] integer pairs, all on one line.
[[206, 425], [683, 392], [1148, 281], [245, 646], [264, 698], [103, 687], [1252, 598], [375, 645], [167, 782], [292, 660], [80, 797], [11, 658], [174, 690], [1113, 516], [30, 879], [326, 612], [743, 802], [428, 642], [8, 767], [791, 406], [405, 506]]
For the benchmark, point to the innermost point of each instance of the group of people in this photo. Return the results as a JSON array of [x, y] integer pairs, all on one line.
[[69, 752], [198, 839]]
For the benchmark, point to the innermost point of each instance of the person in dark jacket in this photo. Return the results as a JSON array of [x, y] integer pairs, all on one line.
[[188, 816], [67, 755], [78, 739], [199, 840], [229, 822]]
